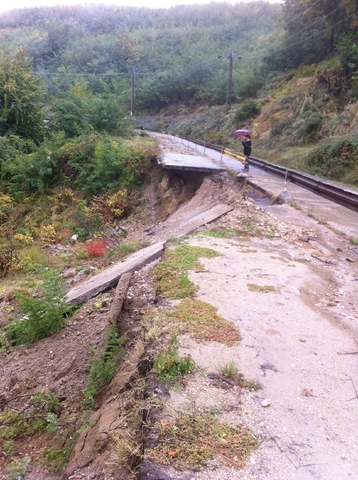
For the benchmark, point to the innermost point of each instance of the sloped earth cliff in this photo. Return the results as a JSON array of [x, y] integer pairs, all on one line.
[[285, 280]]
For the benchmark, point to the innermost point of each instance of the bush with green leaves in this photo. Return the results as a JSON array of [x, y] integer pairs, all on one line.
[[40, 316], [39, 413], [79, 111], [335, 157], [30, 173], [103, 366], [247, 110], [87, 223], [115, 164], [21, 97]]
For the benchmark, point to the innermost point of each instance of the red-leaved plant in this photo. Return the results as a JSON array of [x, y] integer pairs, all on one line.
[[96, 247]]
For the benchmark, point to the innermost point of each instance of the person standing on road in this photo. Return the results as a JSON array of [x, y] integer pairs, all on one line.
[[247, 151]]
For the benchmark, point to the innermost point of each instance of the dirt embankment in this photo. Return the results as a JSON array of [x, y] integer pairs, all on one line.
[[289, 288]]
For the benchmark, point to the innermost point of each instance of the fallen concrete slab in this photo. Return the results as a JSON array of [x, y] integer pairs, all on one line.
[[183, 221], [109, 277], [178, 161], [199, 218]]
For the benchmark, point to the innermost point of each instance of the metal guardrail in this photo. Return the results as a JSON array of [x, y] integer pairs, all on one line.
[[339, 194], [335, 193]]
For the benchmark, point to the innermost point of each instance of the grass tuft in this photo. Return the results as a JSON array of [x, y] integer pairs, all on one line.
[[196, 437], [201, 321], [168, 364], [171, 275], [260, 288]]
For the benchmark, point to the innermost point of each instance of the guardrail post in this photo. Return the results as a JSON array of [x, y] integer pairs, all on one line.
[[204, 146], [222, 151], [285, 188]]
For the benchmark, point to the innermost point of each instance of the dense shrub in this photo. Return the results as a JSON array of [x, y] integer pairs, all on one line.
[[309, 125], [26, 168], [335, 157], [86, 222], [78, 111], [247, 110], [114, 165], [40, 317]]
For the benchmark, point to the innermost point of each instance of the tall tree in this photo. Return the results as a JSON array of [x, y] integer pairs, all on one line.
[[314, 29], [21, 95]]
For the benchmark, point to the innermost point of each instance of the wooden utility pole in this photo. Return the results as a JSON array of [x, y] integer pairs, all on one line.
[[132, 93], [229, 82], [133, 74]]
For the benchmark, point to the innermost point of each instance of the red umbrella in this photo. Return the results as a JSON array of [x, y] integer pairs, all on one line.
[[242, 133]]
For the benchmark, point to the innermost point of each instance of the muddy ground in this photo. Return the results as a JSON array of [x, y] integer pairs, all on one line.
[[300, 341]]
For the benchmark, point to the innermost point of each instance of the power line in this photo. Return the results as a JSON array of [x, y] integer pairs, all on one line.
[[319, 20], [266, 53]]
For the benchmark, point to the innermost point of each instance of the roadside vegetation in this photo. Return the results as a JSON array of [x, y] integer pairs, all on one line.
[[192, 426], [196, 436]]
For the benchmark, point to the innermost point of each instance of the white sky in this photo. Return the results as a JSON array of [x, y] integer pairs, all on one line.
[[9, 5]]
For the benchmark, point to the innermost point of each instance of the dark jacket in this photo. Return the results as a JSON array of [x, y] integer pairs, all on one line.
[[247, 147]]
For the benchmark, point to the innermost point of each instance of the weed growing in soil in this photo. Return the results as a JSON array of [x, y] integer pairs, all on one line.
[[103, 366], [229, 370], [198, 436], [40, 317], [294, 205], [171, 274], [201, 321], [125, 248], [168, 364], [260, 288], [353, 241], [18, 468], [4, 343], [218, 233], [175, 241], [39, 414]]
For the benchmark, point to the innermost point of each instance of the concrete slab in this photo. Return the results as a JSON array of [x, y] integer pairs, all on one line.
[[183, 221], [109, 277], [178, 161]]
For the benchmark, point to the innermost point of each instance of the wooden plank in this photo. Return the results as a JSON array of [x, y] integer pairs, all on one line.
[[116, 308]]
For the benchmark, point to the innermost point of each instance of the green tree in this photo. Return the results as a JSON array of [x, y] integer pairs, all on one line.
[[78, 111], [314, 29], [21, 95]]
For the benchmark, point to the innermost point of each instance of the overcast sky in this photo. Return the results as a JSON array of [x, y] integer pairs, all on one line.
[[9, 5]]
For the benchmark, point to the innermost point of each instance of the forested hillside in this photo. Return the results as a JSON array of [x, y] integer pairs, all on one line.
[[173, 53]]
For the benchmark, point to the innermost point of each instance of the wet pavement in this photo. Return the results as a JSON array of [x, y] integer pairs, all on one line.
[[340, 218]]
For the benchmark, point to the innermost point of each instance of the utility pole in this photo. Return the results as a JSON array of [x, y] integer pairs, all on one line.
[[133, 74], [132, 93], [229, 84], [229, 80]]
